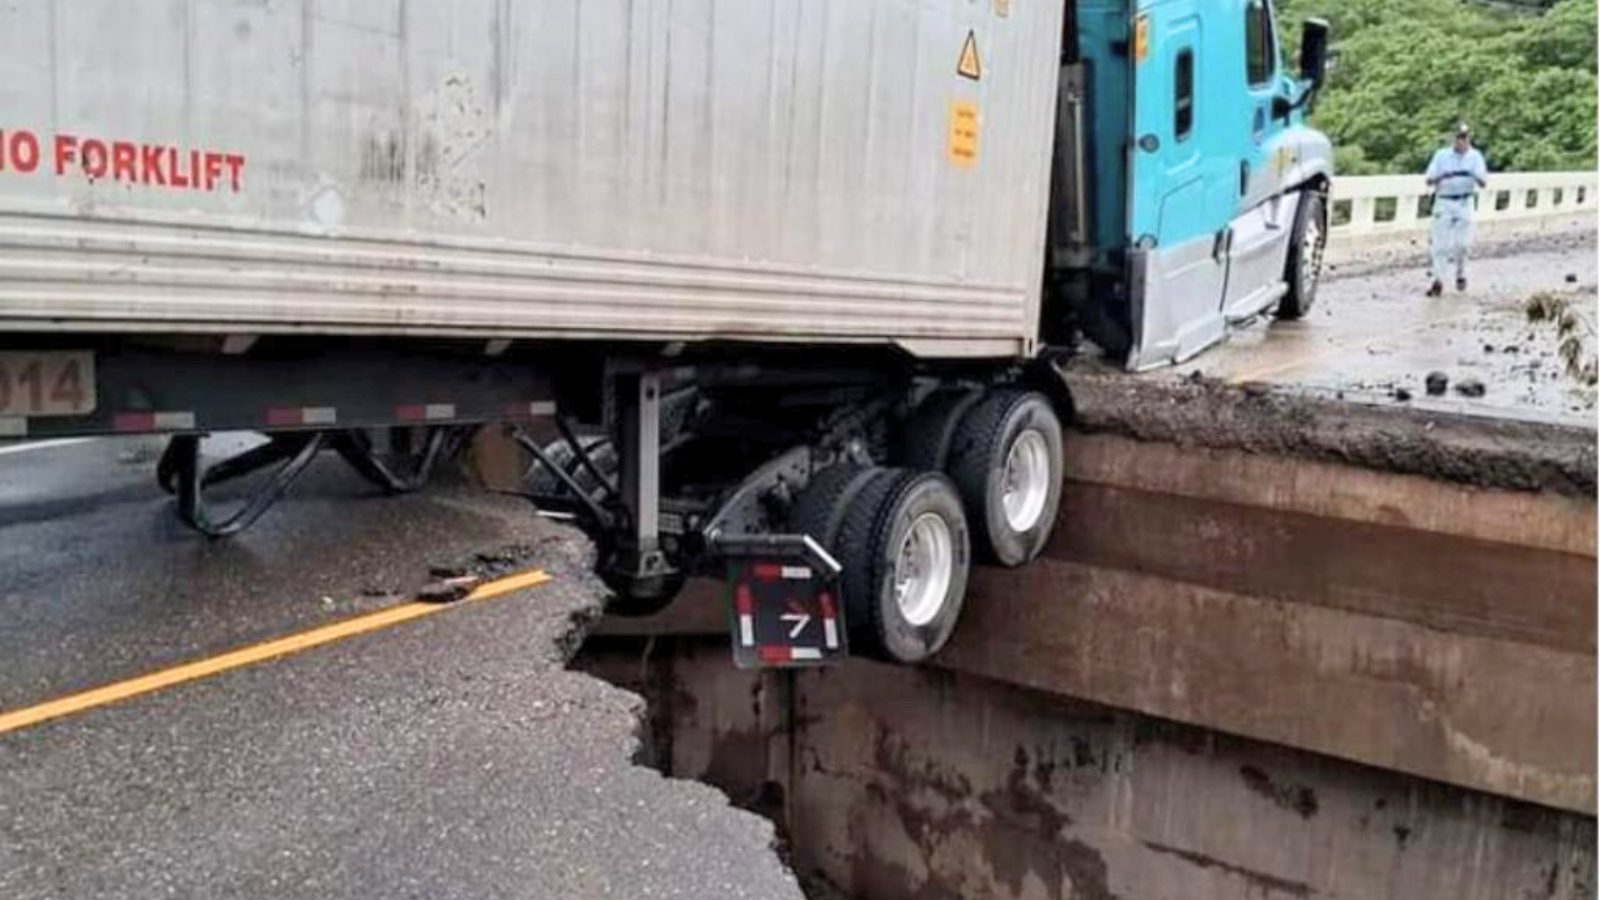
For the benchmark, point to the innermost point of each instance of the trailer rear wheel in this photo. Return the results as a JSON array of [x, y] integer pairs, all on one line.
[[821, 507], [1007, 460], [905, 550]]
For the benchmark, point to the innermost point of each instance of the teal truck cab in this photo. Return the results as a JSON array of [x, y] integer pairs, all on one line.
[[1188, 193]]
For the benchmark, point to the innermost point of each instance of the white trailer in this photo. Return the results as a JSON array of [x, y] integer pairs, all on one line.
[[760, 284], [757, 170]]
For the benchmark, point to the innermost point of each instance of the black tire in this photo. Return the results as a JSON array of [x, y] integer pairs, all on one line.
[[924, 441], [635, 597], [540, 481], [821, 507], [978, 458], [875, 526], [1109, 329], [1307, 243]]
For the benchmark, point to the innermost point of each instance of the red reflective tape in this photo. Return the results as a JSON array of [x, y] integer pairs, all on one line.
[[770, 653], [743, 600], [766, 571], [153, 421], [531, 410], [285, 416], [425, 412], [142, 421], [825, 600]]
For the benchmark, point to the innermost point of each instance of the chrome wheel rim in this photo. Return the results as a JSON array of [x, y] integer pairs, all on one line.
[[923, 568], [1027, 481]]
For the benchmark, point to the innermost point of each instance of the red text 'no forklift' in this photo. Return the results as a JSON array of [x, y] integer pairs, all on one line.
[[156, 165]]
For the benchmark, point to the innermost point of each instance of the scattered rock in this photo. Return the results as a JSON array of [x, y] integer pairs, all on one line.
[[1512, 348], [1470, 387], [1402, 395], [1256, 388], [1572, 278], [1437, 383], [1488, 348], [447, 571]]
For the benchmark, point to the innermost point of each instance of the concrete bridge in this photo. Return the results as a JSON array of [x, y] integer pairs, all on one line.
[[1294, 636]]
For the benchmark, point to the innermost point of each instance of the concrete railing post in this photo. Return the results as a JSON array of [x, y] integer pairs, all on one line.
[[1365, 195]]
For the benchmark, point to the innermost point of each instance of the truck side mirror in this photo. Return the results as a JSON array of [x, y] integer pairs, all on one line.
[[1314, 51]]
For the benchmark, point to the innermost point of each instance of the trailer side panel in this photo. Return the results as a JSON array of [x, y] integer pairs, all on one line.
[[768, 170]]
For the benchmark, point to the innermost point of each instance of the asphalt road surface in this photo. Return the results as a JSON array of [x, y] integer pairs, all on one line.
[[448, 756]]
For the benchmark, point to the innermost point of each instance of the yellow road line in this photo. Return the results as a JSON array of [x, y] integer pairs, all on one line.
[[244, 656]]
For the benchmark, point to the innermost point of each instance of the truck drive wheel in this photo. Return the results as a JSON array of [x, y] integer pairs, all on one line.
[[902, 539], [1306, 245], [821, 507], [1006, 459]]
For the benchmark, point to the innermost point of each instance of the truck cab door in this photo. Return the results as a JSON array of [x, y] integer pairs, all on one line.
[[1266, 152], [1181, 183]]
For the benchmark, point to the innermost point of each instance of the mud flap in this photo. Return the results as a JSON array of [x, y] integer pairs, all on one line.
[[783, 604]]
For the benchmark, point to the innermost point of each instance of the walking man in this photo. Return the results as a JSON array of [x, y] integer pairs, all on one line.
[[1455, 174]]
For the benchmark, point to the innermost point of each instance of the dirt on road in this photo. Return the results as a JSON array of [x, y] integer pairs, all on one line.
[[1374, 335]]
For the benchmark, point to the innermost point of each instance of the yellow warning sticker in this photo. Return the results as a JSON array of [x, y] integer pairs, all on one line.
[[963, 145], [1002, 8], [968, 66], [1282, 160]]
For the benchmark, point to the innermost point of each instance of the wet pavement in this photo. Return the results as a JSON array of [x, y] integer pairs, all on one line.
[[450, 756], [1374, 336]]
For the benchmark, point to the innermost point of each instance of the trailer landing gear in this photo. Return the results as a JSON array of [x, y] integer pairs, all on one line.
[[182, 470]]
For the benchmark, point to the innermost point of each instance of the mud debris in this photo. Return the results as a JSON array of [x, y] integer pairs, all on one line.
[[1437, 383], [1470, 387]]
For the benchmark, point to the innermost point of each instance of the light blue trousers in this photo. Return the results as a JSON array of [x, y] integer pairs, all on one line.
[[1452, 234]]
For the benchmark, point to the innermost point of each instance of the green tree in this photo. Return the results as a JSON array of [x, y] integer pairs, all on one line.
[[1407, 70]]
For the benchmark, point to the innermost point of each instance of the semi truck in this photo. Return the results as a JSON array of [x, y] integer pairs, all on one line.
[[772, 291]]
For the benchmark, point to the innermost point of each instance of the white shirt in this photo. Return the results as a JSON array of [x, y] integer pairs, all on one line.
[[1457, 173]]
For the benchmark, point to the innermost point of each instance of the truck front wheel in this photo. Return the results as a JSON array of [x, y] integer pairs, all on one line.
[[1307, 243], [1006, 458]]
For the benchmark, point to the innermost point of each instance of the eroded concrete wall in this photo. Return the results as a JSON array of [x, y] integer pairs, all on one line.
[[899, 783]]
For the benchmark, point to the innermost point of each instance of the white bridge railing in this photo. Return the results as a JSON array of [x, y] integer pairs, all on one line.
[[1371, 209]]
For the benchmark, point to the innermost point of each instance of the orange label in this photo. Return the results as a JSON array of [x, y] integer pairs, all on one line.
[[963, 145]]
